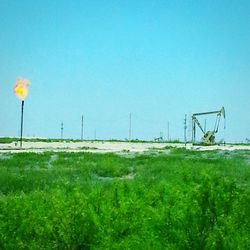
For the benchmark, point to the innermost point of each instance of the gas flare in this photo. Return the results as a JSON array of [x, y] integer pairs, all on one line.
[[21, 88]]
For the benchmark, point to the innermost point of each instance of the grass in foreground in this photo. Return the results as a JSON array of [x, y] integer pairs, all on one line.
[[183, 200]]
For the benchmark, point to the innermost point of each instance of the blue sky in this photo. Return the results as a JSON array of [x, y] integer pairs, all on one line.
[[158, 60]]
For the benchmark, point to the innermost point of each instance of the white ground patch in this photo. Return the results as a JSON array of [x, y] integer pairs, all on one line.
[[105, 146]]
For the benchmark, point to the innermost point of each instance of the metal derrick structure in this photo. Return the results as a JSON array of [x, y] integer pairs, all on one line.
[[208, 136]]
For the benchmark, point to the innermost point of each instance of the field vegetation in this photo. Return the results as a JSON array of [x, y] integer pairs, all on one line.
[[4, 140], [172, 199]]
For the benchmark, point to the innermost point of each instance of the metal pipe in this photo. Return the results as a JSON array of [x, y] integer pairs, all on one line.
[[21, 139]]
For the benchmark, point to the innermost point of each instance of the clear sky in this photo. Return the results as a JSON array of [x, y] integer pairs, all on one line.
[[158, 60]]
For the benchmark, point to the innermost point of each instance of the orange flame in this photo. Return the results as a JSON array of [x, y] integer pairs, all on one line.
[[21, 88]]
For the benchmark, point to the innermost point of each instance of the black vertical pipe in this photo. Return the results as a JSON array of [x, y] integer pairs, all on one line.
[[21, 139]]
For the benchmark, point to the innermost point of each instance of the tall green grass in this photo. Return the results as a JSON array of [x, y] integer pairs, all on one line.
[[182, 200]]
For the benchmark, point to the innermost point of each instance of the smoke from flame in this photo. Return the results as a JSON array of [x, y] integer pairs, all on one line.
[[21, 88]]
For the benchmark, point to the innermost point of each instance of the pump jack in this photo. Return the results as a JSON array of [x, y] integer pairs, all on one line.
[[208, 136]]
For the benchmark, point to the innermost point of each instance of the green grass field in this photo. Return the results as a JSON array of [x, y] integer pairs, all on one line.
[[174, 199]]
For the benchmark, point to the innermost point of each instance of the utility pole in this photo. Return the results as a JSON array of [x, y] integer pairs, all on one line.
[[185, 130], [168, 131], [129, 135], [205, 125], [193, 130], [82, 129], [95, 134], [61, 130], [189, 127]]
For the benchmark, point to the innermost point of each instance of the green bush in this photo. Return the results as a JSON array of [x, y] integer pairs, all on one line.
[[182, 200]]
